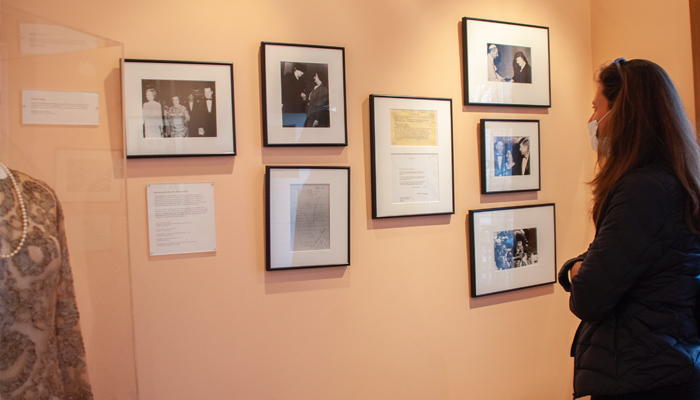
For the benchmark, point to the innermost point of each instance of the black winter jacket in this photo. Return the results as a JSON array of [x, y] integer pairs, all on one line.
[[636, 292]]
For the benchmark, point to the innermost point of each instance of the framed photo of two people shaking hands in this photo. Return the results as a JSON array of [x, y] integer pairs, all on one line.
[[505, 64], [178, 108], [303, 95]]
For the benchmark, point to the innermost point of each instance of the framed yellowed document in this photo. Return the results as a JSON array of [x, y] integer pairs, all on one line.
[[412, 168]]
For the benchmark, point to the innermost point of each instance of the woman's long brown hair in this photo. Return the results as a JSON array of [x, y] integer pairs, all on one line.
[[647, 124]]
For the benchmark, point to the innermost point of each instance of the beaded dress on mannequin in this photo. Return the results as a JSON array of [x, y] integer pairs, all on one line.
[[41, 347]]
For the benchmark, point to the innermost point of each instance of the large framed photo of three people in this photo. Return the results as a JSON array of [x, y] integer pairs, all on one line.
[[178, 108], [510, 155], [512, 248], [303, 95], [505, 64]]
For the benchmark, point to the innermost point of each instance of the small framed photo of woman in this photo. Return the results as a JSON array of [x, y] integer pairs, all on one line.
[[505, 64], [178, 108], [512, 248], [303, 95], [510, 155]]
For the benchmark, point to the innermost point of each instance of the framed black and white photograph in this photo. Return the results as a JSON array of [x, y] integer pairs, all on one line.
[[308, 217], [303, 95], [510, 155], [506, 64], [411, 145], [512, 248], [178, 108]]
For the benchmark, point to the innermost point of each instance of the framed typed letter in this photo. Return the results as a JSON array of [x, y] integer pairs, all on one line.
[[308, 217], [506, 64], [512, 248], [303, 95], [510, 155], [178, 108], [411, 143]]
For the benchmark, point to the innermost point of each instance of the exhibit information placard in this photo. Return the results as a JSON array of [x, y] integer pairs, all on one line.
[[53, 39], [181, 218], [60, 108]]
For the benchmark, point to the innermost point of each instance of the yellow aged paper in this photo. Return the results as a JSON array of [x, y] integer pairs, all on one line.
[[413, 128]]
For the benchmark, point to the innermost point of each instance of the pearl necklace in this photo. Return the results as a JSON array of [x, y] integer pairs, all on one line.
[[24, 213]]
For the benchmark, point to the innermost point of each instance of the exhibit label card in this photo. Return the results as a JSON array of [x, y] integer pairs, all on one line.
[[53, 39], [60, 108], [181, 218]]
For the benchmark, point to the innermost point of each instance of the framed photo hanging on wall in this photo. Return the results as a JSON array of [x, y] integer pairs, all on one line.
[[303, 95], [411, 145], [178, 108], [308, 217], [506, 64], [510, 155], [512, 248]]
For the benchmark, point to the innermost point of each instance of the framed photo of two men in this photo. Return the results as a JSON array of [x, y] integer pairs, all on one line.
[[510, 155], [303, 95], [506, 64], [178, 108]]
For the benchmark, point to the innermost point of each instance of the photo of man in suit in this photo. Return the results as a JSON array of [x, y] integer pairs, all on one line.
[[522, 166], [203, 114]]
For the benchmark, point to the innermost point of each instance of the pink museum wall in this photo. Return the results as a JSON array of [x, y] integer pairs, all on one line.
[[398, 323]]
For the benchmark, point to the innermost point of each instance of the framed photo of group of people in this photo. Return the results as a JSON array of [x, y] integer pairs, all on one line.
[[178, 108], [512, 248]]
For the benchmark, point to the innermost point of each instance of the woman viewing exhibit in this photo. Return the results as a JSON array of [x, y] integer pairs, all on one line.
[[317, 114], [636, 288], [152, 116], [178, 117]]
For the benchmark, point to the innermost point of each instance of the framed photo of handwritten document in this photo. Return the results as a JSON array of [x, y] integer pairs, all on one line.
[[303, 95], [411, 144], [512, 248], [510, 155], [505, 64], [308, 217], [178, 108]]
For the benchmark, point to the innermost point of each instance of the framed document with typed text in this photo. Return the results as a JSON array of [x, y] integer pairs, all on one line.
[[512, 248], [308, 217], [505, 64], [178, 108], [303, 95], [411, 145], [510, 155]]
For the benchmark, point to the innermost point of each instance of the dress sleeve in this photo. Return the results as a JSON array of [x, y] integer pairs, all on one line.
[[71, 351], [629, 239]]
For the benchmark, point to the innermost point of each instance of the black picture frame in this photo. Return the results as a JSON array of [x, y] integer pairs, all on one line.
[[298, 107], [412, 156], [506, 63], [202, 124], [307, 211], [512, 248], [510, 155]]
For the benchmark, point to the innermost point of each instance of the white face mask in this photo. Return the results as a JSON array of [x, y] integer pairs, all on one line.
[[593, 132]]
